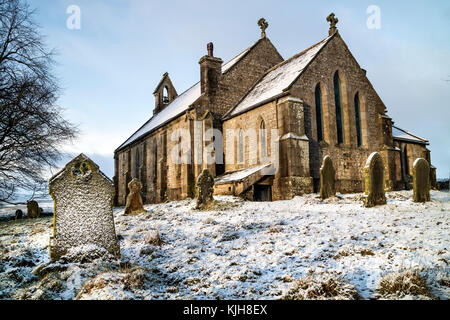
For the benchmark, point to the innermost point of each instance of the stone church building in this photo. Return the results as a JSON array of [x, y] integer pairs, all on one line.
[[319, 102]]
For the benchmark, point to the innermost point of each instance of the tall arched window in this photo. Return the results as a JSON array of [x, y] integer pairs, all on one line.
[[405, 159], [338, 103], [319, 120], [241, 147], [137, 162], [358, 120], [263, 140], [180, 158]]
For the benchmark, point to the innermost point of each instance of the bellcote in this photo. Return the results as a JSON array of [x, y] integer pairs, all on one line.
[[164, 93]]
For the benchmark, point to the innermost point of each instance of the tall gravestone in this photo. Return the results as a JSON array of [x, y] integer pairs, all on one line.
[[83, 199], [32, 209], [421, 180], [134, 204], [327, 179], [205, 189], [374, 181]]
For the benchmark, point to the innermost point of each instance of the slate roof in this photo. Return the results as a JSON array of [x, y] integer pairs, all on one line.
[[400, 134], [277, 79], [179, 105]]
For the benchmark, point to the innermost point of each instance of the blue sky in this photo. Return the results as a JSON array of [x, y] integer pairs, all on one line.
[[109, 67]]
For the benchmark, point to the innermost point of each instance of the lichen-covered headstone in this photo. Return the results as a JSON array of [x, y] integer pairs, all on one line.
[[83, 199], [327, 179], [32, 209], [205, 189], [421, 180], [134, 204], [374, 181]]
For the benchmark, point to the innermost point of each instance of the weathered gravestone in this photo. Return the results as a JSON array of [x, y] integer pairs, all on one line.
[[374, 181], [134, 204], [327, 179], [19, 214], [33, 209], [83, 199], [421, 180], [205, 189]]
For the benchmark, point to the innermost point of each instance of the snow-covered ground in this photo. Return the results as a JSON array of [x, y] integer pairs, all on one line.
[[240, 250]]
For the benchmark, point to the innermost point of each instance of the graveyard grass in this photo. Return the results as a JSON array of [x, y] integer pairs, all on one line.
[[303, 248]]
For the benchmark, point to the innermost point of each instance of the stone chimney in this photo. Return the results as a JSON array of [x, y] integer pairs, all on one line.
[[210, 71]]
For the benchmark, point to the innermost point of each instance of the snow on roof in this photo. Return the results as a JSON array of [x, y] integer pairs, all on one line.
[[179, 105], [173, 110], [401, 134], [239, 175], [278, 78]]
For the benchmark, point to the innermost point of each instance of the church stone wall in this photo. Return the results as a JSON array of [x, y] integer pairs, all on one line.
[[286, 115], [414, 152], [249, 122], [150, 160], [243, 75], [348, 157]]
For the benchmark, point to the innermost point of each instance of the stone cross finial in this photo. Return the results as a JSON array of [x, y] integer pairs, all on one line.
[[333, 21], [210, 48], [263, 24]]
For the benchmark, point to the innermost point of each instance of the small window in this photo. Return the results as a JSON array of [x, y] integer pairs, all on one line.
[[165, 95]]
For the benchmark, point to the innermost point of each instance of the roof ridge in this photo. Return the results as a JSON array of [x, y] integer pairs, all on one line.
[[299, 54]]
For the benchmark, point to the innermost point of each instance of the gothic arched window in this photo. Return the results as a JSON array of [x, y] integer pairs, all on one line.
[[137, 162], [263, 139], [358, 120], [338, 104], [241, 147], [319, 120]]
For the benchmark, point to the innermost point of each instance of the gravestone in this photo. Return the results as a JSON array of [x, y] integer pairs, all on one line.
[[19, 214], [32, 209], [205, 189], [83, 199], [421, 180], [327, 179], [134, 204], [374, 181]]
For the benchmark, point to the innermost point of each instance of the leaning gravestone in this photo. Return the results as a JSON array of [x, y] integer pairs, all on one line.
[[134, 204], [327, 179], [374, 181], [421, 180], [83, 198], [205, 189], [32, 209]]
